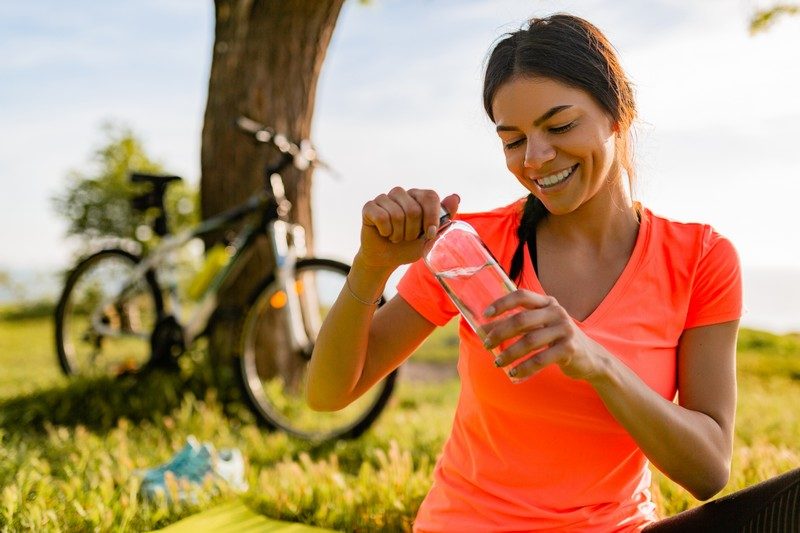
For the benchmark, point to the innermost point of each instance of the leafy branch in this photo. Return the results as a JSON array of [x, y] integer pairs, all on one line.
[[764, 19]]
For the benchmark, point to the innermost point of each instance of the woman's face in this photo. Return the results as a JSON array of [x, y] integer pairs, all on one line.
[[558, 142]]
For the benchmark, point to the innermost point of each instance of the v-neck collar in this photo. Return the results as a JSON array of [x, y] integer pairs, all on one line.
[[618, 289]]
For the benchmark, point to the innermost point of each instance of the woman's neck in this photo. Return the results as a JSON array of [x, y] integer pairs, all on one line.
[[605, 222]]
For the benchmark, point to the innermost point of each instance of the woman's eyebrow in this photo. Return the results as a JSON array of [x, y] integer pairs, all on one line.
[[550, 112]]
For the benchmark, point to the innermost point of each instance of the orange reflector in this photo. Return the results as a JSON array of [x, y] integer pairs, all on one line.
[[278, 300], [298, 286]]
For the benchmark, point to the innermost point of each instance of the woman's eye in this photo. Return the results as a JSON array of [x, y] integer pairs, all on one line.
[[513, 144], [563, 129]]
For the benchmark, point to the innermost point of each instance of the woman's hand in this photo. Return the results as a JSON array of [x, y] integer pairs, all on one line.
[[541, 324], [395, 226]]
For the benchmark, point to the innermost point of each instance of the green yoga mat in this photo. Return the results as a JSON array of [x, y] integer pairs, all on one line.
[[235, 517]]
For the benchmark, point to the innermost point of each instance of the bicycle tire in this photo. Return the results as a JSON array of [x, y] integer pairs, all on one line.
[[279, 407], [130, 357]]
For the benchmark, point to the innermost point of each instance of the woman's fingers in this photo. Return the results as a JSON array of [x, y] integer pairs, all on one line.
[[541, 327], [519, 298], [397, 214], [450, 204], [386, 215], [391, 214], [429, 203], [530, 342], [530, 366], [372, 214], [533, 311], [412, 214], [402, 215], [519, 323]]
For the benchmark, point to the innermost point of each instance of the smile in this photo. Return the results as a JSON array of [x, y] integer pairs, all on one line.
[[555, 179]]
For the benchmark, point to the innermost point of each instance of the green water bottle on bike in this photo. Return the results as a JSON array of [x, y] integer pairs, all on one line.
[[216, 259]]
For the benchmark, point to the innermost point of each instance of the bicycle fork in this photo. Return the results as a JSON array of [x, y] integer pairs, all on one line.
[[302, 314]]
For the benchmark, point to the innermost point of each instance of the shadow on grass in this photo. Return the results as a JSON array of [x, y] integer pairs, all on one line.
[[100, 403]]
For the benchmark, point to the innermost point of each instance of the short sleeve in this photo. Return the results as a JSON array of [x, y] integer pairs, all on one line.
[[420, 289], [717, 289]]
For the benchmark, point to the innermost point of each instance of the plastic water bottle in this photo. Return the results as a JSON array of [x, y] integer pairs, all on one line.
[[216, 259], [468, 272]]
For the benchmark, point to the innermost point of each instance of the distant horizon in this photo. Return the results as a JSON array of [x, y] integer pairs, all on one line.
[[762, 310]]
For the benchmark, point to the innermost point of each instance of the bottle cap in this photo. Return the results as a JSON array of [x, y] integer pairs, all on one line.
[[444, 216]]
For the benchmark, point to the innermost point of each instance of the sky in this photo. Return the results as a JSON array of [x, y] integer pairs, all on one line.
[[399, 103]]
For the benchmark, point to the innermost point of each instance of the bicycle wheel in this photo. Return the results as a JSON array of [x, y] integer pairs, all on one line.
[[104, 318], [274, 375]]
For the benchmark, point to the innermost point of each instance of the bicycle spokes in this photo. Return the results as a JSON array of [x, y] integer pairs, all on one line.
[[106, 317], [274, 371]]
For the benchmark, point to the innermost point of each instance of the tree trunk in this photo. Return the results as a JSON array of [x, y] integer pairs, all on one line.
[[266, 62]]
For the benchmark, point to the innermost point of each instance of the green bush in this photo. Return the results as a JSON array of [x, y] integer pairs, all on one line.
[[25, 310]]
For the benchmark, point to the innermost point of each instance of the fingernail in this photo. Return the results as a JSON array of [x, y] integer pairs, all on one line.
[[513, 372], [498, 362], [431, 233], [489, 311], [487, 343]]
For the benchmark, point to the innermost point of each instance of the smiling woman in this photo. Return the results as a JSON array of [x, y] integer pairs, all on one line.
[[620, 338], [573, 140]]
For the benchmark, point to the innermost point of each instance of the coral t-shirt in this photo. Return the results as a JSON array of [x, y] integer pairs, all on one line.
[[546, 454]]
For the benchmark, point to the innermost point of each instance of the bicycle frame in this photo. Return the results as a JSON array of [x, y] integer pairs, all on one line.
[[151, 305], [288, 244]]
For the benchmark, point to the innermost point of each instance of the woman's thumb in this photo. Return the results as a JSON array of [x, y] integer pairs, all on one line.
[[450, 204]]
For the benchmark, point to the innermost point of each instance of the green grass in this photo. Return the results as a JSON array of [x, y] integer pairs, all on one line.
[[441, 346], [68, 448], [27, 357]]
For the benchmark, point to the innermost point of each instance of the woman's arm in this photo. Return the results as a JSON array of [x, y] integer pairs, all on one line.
[[691, 441], [358, 345]]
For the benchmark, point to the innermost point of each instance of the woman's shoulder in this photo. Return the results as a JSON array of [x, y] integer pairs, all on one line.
[[507, 214], [497, 228], [685, 237], [699, 263]]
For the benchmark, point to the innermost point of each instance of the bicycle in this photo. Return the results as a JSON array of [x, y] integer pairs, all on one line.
[[116, 315]]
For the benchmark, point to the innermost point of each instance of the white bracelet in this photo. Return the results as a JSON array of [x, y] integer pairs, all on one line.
[[353, 294]]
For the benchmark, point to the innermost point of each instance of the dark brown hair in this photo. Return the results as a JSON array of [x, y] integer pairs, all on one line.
[[572, 51]]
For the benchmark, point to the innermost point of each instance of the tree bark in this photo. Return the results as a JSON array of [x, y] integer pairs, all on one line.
[[266, 62]]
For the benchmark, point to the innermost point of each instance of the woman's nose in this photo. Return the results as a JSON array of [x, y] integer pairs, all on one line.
[[538, 152]]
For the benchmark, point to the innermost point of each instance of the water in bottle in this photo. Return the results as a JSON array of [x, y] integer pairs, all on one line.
[[468, 273]]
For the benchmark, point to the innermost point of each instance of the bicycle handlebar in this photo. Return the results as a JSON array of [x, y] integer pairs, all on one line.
[[300, 156]]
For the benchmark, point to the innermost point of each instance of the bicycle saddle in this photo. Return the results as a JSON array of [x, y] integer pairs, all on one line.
[[153, 198], [156, 179]]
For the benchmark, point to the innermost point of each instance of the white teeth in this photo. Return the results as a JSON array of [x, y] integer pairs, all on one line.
[[552, 179]]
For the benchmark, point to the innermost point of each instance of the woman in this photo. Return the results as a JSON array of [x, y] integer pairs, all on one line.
[[621, 309]]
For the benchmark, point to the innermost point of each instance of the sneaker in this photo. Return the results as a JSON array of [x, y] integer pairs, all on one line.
[[175, 464], [190, 467], [229, 466]]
